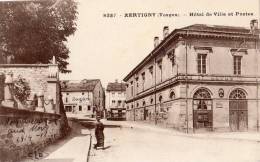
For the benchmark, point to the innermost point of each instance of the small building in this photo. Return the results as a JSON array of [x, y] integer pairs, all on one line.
[[83, 98], [115, 101], [199, 78]]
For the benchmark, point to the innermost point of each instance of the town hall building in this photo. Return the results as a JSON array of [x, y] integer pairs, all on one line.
[[199, 78]]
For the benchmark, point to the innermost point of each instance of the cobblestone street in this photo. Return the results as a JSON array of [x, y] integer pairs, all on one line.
[[142, 145]]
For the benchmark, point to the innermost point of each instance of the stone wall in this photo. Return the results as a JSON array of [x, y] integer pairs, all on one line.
[[24, 132], [42, 79], [28, 126]]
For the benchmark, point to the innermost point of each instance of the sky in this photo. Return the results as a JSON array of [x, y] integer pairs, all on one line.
[[108, 48]]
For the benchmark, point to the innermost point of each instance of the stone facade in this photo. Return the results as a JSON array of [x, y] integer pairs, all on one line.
[[115, 101], [196, 79], [29, 125], [83, 98], [25, 133]]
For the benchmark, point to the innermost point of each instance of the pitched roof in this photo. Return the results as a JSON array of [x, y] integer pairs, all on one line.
[[219, 28], [116, 86], [75, 86], [198, 30]]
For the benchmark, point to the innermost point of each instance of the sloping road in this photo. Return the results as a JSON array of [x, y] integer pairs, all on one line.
[[139, 145]]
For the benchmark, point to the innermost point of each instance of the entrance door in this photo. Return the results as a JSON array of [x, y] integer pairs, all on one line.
[[238, 113], [202, 110], [145, 114], [120, 114]]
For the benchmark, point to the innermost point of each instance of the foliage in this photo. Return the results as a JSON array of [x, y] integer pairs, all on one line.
[[21, 89], [35, 31]]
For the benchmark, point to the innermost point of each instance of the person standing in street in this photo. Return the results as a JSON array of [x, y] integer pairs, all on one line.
[[99, 134]]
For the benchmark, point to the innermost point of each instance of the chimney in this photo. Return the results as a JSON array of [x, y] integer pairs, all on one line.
[[253, 25], [165, 31], [156, 41], [116, 81]]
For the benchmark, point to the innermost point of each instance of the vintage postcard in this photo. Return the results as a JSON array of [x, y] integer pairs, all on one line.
[[129, 81]]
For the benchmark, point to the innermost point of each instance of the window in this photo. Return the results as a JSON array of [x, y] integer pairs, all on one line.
[[80, 108], [151, 101], [137, 104], [202, 63], [171, 56], [89, 108], [68, 108], [160, 99], [137, 85], [113, 102], [143, 103], [132, 89], [202, 100], [237, 94], [159, 63], [237, 65], [83, 93], [66, 99], [119, 102], [172, 95], [151, 70], [143, 78], [67, 93]]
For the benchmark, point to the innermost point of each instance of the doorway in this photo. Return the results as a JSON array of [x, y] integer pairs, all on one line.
[[202, 110], [238, 111]]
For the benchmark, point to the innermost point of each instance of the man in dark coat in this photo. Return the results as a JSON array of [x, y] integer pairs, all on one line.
[[99, 133]]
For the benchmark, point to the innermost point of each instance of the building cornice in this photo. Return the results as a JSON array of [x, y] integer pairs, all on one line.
[[179, 34], [195, 79]]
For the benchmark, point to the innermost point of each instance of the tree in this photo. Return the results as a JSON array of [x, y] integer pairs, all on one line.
[[35, 31]]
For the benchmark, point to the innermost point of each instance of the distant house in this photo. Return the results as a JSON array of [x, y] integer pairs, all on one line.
[[115, 101], [83, 98]]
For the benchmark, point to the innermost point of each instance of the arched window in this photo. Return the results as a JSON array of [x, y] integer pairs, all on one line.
[[160, 99], [172, 95], [151, 101], [202, 100], [237, 94], [202, 94]]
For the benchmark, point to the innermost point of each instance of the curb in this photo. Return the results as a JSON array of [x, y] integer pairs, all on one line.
[[193, 135], [89, 149]]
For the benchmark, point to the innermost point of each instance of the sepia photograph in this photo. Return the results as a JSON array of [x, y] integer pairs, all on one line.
[[129, 81]]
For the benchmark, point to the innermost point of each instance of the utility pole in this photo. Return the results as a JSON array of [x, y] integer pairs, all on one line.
[[257, 86], [254, 31], [155, 111], [186, 80]]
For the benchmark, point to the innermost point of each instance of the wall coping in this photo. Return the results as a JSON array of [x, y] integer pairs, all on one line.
[[26, 65], [21, 113]]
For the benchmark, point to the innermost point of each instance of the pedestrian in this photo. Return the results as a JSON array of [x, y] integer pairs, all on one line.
[[99, 134]]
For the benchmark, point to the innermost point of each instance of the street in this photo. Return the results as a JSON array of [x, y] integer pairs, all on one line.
[[140, 145]]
